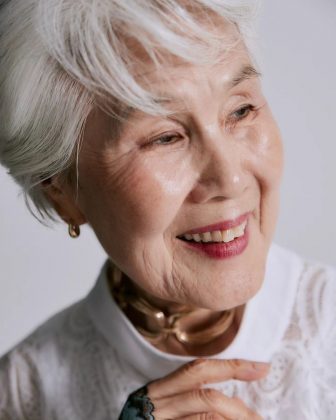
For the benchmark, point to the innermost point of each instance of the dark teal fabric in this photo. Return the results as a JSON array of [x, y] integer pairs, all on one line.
[[138, 406]]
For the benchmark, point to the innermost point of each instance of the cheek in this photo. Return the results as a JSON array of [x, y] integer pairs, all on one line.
[[267, 153], [159, 190], [268, 166], [270, 161], [141, 195]]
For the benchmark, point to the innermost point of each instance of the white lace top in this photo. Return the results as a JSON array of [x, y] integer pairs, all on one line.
[[85, 361]]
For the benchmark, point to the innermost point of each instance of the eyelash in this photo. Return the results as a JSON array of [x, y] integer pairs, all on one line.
[[160, 140], [247, 107], [231, 124]]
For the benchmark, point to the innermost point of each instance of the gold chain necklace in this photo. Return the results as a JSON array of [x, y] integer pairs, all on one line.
[[166, 325]]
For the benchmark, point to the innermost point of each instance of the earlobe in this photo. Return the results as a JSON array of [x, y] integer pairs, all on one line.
[[63, 199]]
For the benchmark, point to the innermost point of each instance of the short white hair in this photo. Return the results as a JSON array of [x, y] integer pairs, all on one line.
[[61, 58]]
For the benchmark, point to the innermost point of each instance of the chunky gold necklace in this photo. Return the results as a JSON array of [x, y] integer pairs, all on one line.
[[165, 325]]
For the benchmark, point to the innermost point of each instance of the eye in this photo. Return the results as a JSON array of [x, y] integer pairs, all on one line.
[[240, 114], [243, 112], [165, 139]]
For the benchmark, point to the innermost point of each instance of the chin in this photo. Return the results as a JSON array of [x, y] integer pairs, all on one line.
[[233, 292]]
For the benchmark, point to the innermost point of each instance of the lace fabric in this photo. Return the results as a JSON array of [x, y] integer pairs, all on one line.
[[138, 406], [67, 369]]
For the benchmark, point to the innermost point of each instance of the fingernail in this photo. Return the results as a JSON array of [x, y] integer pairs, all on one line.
[[260, 366]]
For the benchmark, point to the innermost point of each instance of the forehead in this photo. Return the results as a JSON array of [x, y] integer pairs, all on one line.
[[167, 72], [226, 41], [170, 73], [169, 77], [173, 82]]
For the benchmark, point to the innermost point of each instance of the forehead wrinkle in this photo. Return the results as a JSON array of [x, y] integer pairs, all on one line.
[[178, 104], [213, 85], [225, 81]]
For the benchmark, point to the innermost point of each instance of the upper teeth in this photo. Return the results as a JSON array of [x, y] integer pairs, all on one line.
[[218, 235]]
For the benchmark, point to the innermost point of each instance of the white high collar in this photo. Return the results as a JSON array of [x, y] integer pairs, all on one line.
[[264, 322]]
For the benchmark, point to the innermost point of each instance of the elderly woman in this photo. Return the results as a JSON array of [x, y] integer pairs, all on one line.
[[146, 120]]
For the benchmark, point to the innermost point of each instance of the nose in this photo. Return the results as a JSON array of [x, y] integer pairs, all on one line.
[[222, 172]]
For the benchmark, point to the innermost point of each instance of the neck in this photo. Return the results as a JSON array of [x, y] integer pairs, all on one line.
[[197, 320], [201, 320], [167, 307]]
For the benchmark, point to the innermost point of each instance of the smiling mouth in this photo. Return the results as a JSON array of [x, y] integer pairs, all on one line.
[[216, 236]]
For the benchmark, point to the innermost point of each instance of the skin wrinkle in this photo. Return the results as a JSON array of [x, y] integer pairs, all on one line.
[[176, 281], [151, 270], [147, 195], [128, 114]]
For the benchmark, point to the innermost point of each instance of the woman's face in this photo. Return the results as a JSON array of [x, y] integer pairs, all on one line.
[[217, 157]]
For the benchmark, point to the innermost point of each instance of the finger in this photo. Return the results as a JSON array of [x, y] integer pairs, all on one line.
[[206, 371], [204, 400]]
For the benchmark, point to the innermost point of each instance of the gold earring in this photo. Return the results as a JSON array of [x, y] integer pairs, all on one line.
[[74, 230]]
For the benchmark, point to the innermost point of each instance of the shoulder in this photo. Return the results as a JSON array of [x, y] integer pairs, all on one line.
[[314, 303], [315, 317], [30, 370], [56, 332], [315, 281], [55, 372], [316, 297], [309, 345], [301, 382]]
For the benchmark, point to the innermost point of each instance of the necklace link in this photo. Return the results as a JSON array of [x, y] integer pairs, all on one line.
[[167, 325]]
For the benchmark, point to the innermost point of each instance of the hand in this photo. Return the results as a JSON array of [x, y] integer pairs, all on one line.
[[181, 395]]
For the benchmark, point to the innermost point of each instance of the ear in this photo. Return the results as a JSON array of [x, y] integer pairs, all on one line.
[[63, 198]]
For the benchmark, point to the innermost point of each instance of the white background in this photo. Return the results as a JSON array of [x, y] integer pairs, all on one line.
[[42, 270]]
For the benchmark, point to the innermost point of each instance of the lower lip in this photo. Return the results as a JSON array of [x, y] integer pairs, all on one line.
[[221, 250]]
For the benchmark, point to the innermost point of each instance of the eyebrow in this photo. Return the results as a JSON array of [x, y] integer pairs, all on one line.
[[245, 73]]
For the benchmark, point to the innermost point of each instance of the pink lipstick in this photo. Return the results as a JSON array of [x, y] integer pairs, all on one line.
[[218, 249]]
